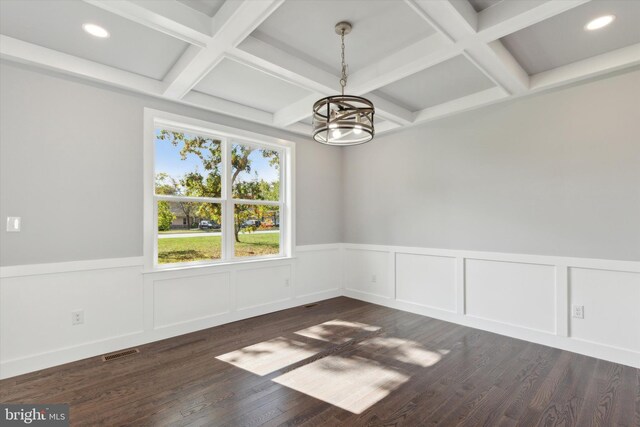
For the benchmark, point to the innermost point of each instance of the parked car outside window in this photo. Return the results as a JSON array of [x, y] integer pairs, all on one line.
[[208, 225], [252, 223]]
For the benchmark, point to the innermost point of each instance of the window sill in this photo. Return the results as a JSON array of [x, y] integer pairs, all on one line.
[[225, 264]]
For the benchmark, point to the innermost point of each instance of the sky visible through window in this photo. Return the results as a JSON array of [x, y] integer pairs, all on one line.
[[168, 160], [261, 166], [190, 231]]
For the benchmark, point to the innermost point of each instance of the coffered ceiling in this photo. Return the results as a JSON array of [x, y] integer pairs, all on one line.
[[267, 61]]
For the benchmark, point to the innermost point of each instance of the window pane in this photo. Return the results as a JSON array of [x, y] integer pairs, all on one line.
[[187, 165], [189, 232], [255, 173], [257, 230]]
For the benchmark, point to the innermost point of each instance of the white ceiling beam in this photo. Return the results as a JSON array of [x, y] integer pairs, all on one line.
[[181, 64], [447, 17], [497, 63], [224, 106], [456, 23], [169, 17], [466, 11], [300, 128], [605, 63], [257, 54], [28, 53], [390, 111], [297, 111], [427, 18], [232, 23], [510, 16], [302, 109], [469, 102], [386, 126], [406, 61], [322, 83], [459, 30]]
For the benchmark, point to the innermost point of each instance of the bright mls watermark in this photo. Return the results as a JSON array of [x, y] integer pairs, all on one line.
[[55, 415]]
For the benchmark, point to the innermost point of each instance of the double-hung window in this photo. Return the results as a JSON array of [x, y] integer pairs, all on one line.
[[214, 194]]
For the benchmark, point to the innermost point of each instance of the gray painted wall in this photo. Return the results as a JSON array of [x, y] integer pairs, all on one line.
[[71, 167], [554, 174]]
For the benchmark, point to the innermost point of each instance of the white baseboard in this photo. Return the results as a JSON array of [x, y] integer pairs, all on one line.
[[11, 368], [31, 363], [321, 272], [598, 350]]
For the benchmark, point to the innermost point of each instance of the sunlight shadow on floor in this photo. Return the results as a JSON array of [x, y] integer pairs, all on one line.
[[353, 384], [403, 350], [269, 356], [337, 331]]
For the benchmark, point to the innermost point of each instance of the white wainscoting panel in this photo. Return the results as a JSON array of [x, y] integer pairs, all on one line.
[[369, 272], [261, 286], [513, 293], [36, 311], [125, 307], [183, 299], [426, 280], [522, 296], [611, 301], [518, 295], [317, 271]]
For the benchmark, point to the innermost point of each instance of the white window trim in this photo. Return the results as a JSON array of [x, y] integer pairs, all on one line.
[[152, 118]]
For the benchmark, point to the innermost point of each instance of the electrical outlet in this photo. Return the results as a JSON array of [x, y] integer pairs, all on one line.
[[374, 278], [286, 283], [578, 311], [13, 223], [77, 317]]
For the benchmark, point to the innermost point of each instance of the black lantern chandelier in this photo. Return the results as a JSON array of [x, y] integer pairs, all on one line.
[[343, 119]]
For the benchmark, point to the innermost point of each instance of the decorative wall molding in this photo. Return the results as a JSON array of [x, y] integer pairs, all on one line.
[[600, 264], [70, 266], [527, 296], [37, 300], [229, 34], [440, 283]]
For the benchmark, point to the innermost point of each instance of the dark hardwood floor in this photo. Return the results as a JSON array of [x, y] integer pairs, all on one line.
[[350, 363]]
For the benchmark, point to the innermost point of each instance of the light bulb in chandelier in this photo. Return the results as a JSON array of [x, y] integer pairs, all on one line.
[[357, 128], [332, 120], [343, 119]]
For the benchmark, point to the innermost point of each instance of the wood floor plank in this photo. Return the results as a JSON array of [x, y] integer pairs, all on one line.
[[569, 398], [522, 386], [442, 373], [607, 396]]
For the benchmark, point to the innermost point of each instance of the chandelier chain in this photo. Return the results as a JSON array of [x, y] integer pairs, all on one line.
[[343, 120], [343, 79]]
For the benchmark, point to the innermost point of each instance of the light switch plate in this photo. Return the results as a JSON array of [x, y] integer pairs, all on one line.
[[13, 224]]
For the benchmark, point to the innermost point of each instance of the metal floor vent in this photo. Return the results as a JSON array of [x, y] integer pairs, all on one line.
[[119, 354], [310, 305]]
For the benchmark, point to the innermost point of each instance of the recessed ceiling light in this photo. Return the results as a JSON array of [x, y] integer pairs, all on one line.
[[599, 22], [96, 30]]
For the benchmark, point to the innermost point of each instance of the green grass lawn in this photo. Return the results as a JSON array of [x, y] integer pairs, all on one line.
[[199, 248], [190, 231]]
